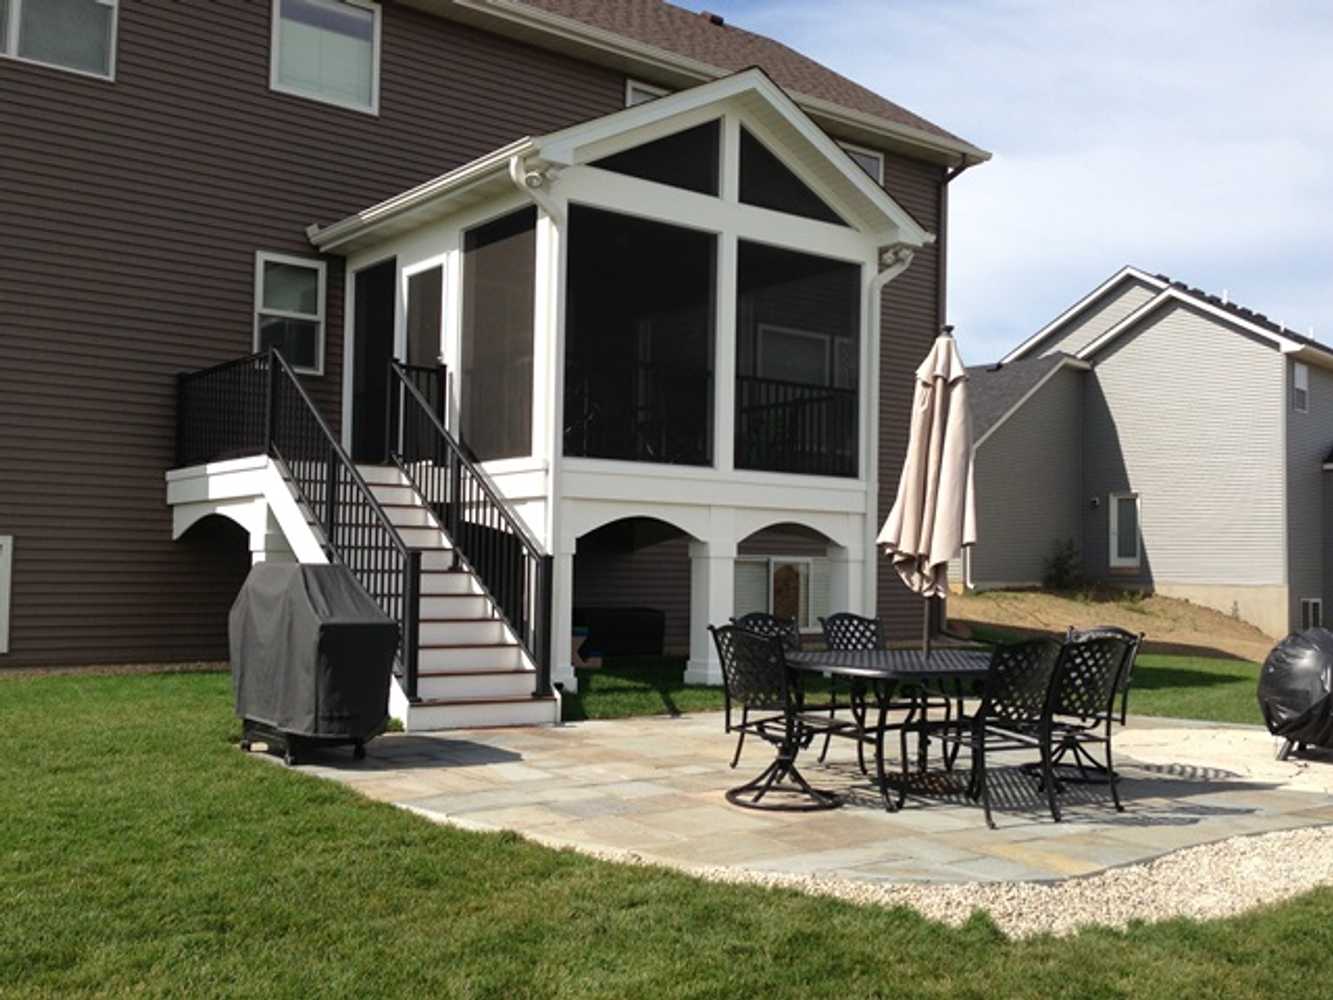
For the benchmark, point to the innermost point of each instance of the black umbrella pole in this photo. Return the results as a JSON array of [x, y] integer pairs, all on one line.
[[925, 625]]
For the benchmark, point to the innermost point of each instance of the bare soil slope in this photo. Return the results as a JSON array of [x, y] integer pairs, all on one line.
[[1170, 625]]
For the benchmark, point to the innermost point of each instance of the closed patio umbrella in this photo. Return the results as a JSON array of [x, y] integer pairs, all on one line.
[[934, 515]]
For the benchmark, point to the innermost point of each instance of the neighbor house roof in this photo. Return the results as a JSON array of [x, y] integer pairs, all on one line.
[[689, 47], [997, 391]]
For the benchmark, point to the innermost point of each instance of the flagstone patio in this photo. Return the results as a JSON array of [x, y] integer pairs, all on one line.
[[653, 787]]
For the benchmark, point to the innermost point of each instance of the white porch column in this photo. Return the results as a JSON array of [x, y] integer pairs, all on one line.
[[724, 361], [847, 581], [562, 618], [712, 594]]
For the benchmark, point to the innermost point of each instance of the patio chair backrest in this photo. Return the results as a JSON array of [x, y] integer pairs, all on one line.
[[762, 623], [754, 668], [845, 632], [1088, 677], [1018, 683], [1134, 639]]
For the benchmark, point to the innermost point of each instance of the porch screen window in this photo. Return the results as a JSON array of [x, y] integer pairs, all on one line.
[[798, 347], [327, 50], [638, 340], [688, 159], [499, 303], [767, 182], [72, 34], [289, 309]]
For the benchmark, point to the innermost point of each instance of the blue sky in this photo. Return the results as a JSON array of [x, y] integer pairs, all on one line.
[[1190, 138]]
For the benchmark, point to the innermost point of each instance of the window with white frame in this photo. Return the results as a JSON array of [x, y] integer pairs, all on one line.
[[1126, 537], [1300, 387], [1312, 613], [638, 92], [786, 586], [289, 309], [327, 50], [78, 35], [869, 160]]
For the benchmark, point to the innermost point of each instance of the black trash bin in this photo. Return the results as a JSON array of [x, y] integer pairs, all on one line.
[[1296, 690], [311, 659]]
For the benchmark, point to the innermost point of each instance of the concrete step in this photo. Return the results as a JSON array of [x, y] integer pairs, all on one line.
[[476, 657], [465, 632], [473, 713], [476, 684], [455, 605]]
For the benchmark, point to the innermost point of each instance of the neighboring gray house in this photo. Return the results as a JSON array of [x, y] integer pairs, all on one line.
[[1182, 443]]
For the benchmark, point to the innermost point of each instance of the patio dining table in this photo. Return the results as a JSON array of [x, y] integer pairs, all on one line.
[[887, 673]]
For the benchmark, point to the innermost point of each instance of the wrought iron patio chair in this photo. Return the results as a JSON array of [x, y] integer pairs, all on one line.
[[1127, 672], [762, 623], [757, 678], [1014, 714]]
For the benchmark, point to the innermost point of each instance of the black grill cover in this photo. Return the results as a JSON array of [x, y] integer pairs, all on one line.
[[1296, 688], [311, 653]]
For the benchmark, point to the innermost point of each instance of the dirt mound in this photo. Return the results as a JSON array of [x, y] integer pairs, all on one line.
[[1170, 625]]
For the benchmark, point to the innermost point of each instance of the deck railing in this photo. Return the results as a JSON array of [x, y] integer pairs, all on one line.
[[488, 535], [795, 427], [257, 405]]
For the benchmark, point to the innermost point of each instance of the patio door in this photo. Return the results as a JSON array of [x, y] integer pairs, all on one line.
[[373, 331]]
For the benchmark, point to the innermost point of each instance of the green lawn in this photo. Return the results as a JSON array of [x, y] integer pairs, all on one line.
[[142, 853]]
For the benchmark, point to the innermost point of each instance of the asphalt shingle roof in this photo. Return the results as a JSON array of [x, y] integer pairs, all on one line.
[[700, 37], [1257, 318], [994, 389]]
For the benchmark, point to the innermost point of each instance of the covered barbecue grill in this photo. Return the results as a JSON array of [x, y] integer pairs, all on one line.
[[311, 656], [1296, 690]]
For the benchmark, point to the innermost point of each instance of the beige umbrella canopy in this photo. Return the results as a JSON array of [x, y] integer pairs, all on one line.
[[934, 515]]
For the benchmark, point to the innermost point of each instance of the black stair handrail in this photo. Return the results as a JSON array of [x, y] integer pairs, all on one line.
[[257, 405], [489, 537]]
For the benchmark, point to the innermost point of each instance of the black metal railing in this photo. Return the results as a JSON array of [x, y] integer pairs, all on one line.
[[794, 427], [257, 405], [639, 412], [488, 535]]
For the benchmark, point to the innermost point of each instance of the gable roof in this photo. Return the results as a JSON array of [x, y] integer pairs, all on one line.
[[997, 391], [684, 47]]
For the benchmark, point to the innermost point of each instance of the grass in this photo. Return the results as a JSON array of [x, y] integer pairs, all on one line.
[[142, 854]]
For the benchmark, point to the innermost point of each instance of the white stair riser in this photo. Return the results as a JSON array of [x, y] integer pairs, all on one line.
[[424, 538], [412, 517], [472, 658], [515, 685], [425, 718], [462, 606], [436, 558], [459, 633], [446, 583], [393, 494], [387, 475]]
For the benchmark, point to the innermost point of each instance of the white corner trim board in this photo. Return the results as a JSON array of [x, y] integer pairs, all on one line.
[[6, 584]]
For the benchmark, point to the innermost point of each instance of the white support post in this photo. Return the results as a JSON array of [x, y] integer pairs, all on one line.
[[724, 363], [562, 620], [712, 594], [846, 581]]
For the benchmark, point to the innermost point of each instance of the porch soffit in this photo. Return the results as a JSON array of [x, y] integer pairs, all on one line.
[[801, 143]]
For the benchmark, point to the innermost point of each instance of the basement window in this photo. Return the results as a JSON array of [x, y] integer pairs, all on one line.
[[77, 35], [1300, 388], [327, 50], [1312, 613], [289, 309]]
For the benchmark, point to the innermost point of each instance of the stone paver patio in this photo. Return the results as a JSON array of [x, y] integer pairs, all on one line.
[[653, 787]]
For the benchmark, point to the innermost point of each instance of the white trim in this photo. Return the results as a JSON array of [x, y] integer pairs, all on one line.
[[631, 85], [1018, 404], [263, 257], [1113, 522], [1125, 272], [6, 587], [12, 39], [277, 86], [852, 147], [1300, 383], [1315, 604]]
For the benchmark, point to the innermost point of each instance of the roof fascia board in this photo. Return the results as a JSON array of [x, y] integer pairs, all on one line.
[[329, 238], [1018, 404], [1025, 348], [641, 54]]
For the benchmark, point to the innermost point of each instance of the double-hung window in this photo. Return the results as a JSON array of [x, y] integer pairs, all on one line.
[[77, 35], [1300, 388], [289, 309], [327, 50]]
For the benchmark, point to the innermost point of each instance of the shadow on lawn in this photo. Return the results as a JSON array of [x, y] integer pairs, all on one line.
[[988, 632], [642, 679]]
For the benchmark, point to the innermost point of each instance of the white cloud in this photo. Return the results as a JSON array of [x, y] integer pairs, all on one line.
[[1190, 137]]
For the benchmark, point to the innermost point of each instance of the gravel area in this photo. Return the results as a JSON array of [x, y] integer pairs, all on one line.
[[1207, 882]]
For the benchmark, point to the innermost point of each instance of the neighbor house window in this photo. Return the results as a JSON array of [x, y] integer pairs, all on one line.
[[1312, 613], [637, 92], [868, 160], [79, 35], [1125, 534], [327, 50], [1300, 388], [289, 309]]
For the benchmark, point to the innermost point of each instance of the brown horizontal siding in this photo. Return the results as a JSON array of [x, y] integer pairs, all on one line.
[[133, 211], [909, 323]]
